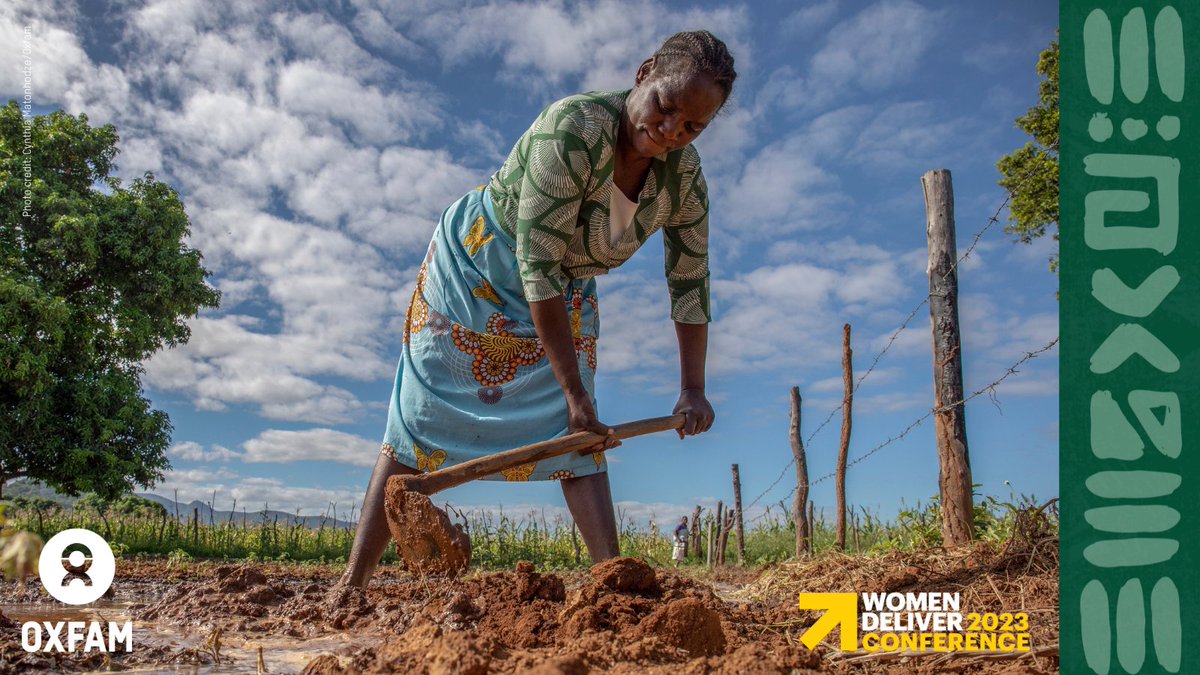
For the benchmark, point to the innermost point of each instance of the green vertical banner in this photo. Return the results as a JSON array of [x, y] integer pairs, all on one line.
[[1130, 326]]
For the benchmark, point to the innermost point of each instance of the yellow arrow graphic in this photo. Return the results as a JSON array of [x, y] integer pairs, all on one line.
[[841, 610]]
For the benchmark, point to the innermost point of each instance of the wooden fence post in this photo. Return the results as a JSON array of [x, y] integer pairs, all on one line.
[[799, 517], [718, 555], [954, 464], [812, 528], [708, 558], [694, 533], [844, 447], [737, 511], [723, 539]]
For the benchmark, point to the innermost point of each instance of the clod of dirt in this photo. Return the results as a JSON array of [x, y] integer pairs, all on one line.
[[571, 664], [237, 579], [342, 607], [898, 579], [630, 575], [426, 648], [597, 609], [460, 654], [756, 658], [325, 664], [531, 585], [426, 540], [688, 625]]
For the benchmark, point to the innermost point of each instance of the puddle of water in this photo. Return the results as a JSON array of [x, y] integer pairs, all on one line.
[[101, 610], [281, 654]]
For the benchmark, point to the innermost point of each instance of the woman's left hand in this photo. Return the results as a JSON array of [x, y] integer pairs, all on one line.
[[698, 410]]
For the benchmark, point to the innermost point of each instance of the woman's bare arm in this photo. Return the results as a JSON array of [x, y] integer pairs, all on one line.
[[554, 328], [693, 352]]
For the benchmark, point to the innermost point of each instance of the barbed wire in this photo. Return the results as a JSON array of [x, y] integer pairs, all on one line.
[[989, 389], [992, 220]]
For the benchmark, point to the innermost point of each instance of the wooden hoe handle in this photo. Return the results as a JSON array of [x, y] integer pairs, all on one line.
[[443, 479]]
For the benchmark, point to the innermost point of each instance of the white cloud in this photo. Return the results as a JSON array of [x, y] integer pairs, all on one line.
[[543, 44], [781, 190], [890, 402], [226, 363], [374, 29], [877, 377], [634, 513], [876, 49], [178, 477], [779, 317], [327, 445], [908, 133], [254, 493], [317, 40], [807, 20], [313, 91], [195, 452], [60, 70]]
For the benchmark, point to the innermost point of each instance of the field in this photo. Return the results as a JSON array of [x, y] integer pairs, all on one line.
[[551, 615]]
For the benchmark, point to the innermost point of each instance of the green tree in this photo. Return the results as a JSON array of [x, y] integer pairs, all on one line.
[[1031, 173], [94, 279]]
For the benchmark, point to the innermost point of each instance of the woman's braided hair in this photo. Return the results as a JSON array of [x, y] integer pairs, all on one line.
[[698, 51]]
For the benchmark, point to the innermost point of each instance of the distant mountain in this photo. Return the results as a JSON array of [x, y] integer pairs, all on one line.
[[31, 489], [207, 514]]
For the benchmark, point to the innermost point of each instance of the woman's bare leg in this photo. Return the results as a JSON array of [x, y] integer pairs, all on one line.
[[372, 536], [590, 501]]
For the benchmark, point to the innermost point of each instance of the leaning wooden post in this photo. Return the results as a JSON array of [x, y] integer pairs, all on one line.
[[799, 517], [950, 428], [844, 448], [737, 511]]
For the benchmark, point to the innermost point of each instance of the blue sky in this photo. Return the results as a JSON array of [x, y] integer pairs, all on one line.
[[315, 144]]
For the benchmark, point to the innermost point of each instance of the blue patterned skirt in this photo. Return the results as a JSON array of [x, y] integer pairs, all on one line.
[[473, 378]]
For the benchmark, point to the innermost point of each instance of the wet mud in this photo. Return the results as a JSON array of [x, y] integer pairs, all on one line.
[[426, 540], [621, 616]]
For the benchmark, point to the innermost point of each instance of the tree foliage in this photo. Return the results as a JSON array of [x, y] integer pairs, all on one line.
[[1031, 172], [94, 278]]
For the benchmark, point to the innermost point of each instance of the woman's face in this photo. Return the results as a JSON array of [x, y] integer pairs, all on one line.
[[666, 111]]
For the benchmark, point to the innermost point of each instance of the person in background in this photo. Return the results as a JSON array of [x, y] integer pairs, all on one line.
[[679, 554]]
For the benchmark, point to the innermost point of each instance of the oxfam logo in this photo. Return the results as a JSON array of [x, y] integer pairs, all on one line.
[[77, 566]]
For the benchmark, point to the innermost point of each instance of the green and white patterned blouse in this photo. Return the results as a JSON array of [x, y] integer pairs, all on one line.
[[552, 196]]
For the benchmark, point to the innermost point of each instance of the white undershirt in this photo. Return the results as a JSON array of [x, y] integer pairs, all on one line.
[[620, 215]]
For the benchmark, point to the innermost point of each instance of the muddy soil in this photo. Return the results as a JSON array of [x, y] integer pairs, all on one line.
[[622, 616], [426, 540]]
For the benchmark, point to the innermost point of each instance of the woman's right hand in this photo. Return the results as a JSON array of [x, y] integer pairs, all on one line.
[[554, 330], [581, 416]]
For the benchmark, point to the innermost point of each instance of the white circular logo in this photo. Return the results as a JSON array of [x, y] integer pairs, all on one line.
[[77, 566]]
